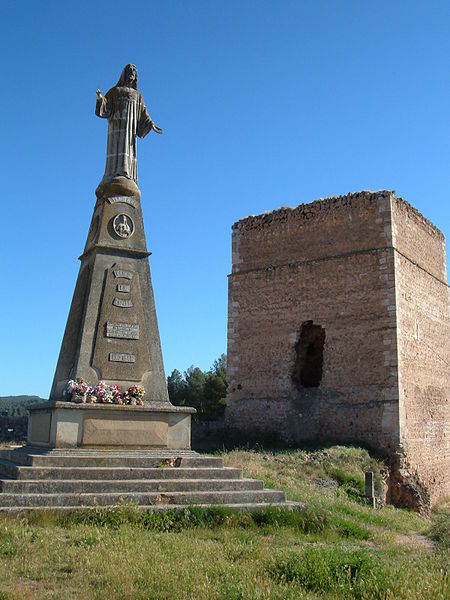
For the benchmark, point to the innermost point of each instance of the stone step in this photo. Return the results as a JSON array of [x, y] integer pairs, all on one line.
[[111, 459], [15, 471], [39, 479], [105, 451], [126, 486], [149, 498]]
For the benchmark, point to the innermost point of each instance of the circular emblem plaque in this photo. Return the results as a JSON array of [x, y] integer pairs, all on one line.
[[123, 225]]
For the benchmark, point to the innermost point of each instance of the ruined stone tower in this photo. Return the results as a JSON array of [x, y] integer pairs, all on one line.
[[339, 330]]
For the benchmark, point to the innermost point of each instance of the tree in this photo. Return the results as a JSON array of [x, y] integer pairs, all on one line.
[[215, 395], [220, 367], [195, 382], [204, 391], [177, 388]]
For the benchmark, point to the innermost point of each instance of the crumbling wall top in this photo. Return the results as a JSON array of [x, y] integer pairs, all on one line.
[[317, 210], [416, 216]]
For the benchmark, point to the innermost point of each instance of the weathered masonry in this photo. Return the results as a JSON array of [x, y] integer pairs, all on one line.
[[339, 330]]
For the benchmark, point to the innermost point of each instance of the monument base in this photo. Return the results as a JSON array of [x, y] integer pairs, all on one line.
[[69, 425]]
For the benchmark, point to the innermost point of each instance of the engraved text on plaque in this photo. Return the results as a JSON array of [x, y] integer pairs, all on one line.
[[122, 273], [127, 331], [122, 357], [122, 303]]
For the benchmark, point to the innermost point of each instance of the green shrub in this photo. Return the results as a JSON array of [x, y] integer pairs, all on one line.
[[309, 520], [440, 530], [354, 573], [112, 517], [352, 485], [348, 528]]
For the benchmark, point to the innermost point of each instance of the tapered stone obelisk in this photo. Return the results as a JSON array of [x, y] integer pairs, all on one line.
[[112, 330]]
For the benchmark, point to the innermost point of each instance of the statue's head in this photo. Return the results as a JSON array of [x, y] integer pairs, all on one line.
[[128, 77]]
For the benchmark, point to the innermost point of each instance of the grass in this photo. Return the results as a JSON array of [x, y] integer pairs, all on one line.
[[337, 547]]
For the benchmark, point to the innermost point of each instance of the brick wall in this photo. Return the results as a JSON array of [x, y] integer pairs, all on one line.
[[346, 264], [424, 347]]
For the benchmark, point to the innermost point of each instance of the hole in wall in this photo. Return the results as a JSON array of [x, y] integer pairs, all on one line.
[[309, 356]]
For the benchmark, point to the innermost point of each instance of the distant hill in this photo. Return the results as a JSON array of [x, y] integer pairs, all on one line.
[[16, 406]]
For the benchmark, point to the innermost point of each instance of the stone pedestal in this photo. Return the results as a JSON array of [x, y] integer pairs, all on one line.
[[69, 425]]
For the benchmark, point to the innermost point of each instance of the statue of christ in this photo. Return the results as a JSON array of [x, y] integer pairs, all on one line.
[[127, 116]]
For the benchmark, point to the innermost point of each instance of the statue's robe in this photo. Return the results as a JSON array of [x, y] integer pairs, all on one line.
[[127, 118]]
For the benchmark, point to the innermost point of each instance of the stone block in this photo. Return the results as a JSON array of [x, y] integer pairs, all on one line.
[[68, 425], [39, 427], [136, 430]]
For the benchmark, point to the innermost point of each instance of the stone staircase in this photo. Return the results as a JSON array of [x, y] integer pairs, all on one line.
[[36, 479]]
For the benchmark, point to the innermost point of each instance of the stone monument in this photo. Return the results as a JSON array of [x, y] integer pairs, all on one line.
[[112, 331]]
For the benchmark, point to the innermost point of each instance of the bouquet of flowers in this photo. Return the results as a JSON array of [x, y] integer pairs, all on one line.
[[112, 394], [91, 398], [78, 390], [134, 395], [100, 391]]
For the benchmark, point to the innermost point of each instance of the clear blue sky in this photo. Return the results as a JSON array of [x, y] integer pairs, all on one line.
[[262, 104]]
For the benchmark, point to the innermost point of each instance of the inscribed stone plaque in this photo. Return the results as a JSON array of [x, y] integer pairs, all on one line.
[[125, 357], [122, 303], [123, 273], [124, 200], [126, 331], [123, 287]]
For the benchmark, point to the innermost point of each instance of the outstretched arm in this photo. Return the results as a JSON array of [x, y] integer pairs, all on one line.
[[156, 128], [101, 106], [146, 124]]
